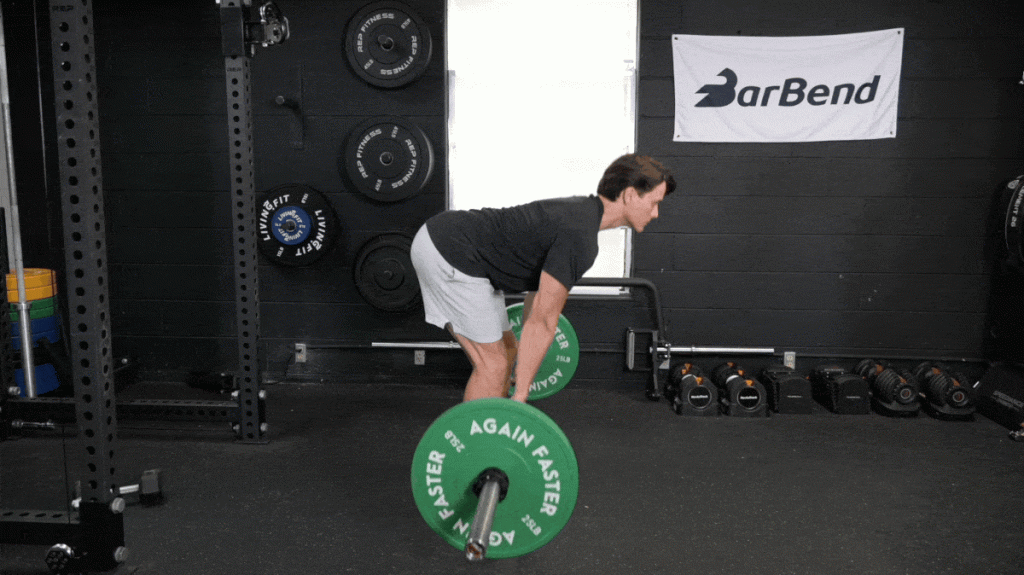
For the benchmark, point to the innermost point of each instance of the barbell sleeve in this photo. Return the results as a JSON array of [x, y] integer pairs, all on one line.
[[483, 519]]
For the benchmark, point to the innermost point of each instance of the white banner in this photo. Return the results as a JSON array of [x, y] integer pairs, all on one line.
[[787, 89]]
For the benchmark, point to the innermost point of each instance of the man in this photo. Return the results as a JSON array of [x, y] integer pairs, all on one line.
[[467, 260]]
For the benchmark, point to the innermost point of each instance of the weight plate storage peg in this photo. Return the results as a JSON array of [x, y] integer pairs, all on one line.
[[387, 44], [384, 274], [297, 225], [387, 158], [559, 363], [518, 440]]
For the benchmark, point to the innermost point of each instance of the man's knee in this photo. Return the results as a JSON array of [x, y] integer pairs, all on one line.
[[493, 366]]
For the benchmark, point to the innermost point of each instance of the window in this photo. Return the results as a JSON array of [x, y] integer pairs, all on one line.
[[541, 100]]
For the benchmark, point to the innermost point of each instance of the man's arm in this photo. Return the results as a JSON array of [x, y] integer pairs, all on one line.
[[538, 331]]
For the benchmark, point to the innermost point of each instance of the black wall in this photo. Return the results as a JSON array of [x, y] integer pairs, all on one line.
[[868, 248], [165, 167], [882, 248]]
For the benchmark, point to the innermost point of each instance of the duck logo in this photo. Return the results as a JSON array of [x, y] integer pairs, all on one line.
[[796, 89], [719, 95]]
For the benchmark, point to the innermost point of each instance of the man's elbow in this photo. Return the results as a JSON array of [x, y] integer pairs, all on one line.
[[546, 322]]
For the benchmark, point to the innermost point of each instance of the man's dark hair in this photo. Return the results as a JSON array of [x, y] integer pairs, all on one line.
[[641, 172]]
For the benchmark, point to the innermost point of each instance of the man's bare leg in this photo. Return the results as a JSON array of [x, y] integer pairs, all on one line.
[[490, 368], [511, 350]]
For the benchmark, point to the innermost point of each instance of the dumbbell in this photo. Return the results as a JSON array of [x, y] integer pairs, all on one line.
[[495, 478], [148, 490], [894, 390], [741, 396], [690, 393], [948, 392]]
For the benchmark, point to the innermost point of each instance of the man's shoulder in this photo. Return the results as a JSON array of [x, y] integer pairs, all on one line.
[[573, 207]]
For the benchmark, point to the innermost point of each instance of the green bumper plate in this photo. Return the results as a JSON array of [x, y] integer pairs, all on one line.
[[559, 364], [515, 438], [39, 309]]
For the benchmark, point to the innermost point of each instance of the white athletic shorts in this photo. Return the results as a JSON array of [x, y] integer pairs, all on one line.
[[471, 305]]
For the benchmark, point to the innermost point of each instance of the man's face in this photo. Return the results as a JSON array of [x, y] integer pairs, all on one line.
[[640, 210]]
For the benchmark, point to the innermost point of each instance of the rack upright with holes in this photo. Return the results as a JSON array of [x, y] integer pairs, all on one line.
[[93, 537]]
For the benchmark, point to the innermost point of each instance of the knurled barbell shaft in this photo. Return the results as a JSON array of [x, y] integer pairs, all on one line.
[[43, 425], [417, 345], [480, 529], [718, 350]]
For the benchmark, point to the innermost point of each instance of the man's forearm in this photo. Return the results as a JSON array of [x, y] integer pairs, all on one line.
[[534, 342]]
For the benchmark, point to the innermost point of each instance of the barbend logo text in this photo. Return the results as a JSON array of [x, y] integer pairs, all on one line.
[[792, 92]]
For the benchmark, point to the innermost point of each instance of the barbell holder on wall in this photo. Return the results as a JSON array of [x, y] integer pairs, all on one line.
[[631, 282], [660, 349], [609, 282], [659, 319]]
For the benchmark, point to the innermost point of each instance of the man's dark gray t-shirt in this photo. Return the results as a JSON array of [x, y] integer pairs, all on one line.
[[511, 246]]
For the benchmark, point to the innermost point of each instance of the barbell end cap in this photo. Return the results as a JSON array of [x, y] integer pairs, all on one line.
[[475, 551]]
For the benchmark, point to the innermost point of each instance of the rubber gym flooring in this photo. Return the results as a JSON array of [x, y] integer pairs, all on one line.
[[659, 493]]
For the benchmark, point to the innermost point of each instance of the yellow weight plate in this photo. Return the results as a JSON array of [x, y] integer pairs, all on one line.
[[34, 278], [33, 294]]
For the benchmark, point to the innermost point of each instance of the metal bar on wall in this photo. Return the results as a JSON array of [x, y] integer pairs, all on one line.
[[238, 74]]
